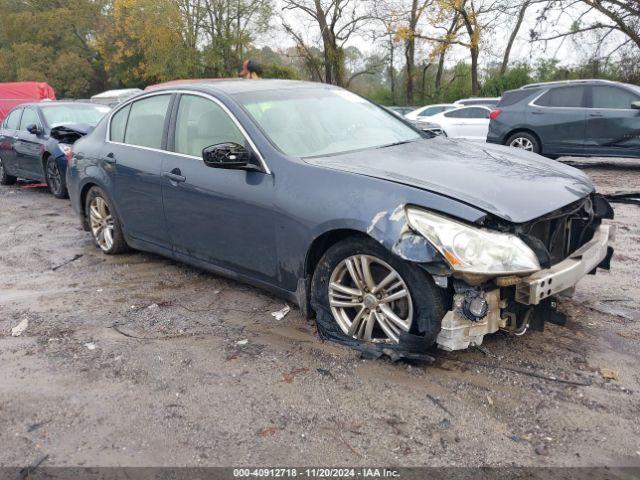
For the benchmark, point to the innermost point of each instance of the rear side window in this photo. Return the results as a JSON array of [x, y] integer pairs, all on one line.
[[12, 122], [471, 112], [612, 97], [29, 117], [513, 97], [566, 97], [119, 123], [146, 121]]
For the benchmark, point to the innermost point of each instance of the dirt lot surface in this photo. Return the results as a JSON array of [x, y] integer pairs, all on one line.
[[137, 360]]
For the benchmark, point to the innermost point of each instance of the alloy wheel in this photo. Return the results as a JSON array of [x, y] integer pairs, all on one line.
[[522, 143], [101, 222], [1, 169], [369, 299], [53, 177]]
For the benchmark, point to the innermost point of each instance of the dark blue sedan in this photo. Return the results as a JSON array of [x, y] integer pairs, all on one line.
[[36, 139], [393, 240]]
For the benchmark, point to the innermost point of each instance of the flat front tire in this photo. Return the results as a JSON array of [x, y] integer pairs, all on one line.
[[55, 179], [5, 178], [104, 224], [374, 296]]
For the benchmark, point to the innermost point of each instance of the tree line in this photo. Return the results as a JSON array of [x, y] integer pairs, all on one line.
[[417, 51]]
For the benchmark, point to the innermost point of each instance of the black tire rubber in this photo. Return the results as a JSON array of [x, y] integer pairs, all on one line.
[[62, 191], [5, 178], [534, 141], [119, 243], [428, 300]]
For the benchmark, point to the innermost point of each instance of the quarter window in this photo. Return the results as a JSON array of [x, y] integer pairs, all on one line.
[[12, 121], [201, 123], [29, 117], [119, 123], [612, 97], [146, 121], [566, 97]]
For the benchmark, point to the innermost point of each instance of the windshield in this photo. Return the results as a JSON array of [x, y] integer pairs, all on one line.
[[56, 115], [323, 121]]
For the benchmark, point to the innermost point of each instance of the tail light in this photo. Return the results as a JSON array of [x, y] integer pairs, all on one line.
[[495, 114]]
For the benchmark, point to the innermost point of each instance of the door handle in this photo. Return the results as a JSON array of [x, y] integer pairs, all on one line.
[[596, 115], [110, 158], [537, 112], [174, 175]]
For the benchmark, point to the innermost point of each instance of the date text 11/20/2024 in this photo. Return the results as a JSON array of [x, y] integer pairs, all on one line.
[[316, 472]]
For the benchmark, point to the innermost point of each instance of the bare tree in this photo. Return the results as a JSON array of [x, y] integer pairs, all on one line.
[[522, 9], [337, 21], [613, 16]]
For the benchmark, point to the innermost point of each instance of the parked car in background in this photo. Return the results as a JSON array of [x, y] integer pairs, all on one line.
[[113, 97], [487, 101], [428, 111], [392, 239], [36, 139], [471, 123], [13, 94], [401, 111], [575, 117]]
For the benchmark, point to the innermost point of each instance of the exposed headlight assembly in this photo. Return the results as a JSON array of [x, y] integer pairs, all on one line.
[[473, 250]]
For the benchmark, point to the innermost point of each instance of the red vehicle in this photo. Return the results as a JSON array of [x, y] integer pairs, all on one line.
[[16, 93]]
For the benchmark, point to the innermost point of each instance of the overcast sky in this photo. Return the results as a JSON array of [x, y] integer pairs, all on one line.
[[567, 50]]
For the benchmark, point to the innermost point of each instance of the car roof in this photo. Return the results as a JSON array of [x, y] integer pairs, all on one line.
[[241, 85], [570, 82], [57, 103]]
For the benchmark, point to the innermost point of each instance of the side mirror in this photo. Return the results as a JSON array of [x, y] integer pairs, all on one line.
[[636, 105], [227, 155], [33, 128]]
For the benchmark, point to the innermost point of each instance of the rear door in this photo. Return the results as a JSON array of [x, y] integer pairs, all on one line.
[[558, 116], [220, 216], [613, 127], [29, 146], [471, 123], [8, 137], [133, 157]]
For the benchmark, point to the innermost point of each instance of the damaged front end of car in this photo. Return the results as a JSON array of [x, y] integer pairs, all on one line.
[[499, 275]]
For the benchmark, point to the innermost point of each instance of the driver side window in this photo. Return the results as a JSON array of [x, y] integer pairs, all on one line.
[[201, 123]]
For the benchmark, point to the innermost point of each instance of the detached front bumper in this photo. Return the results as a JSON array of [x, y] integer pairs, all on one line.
[[459, 331], [565, 275]]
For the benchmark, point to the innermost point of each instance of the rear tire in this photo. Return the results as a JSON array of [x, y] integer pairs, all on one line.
[[5, 178], [372, 320], [524, 141], [104, 224], [55, 179]]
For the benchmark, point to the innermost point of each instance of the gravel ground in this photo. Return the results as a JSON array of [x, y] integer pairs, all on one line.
[[136, 360]]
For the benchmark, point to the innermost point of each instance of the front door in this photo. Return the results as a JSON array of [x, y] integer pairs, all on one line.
[[133, 157], [613, 127], [223, 217]]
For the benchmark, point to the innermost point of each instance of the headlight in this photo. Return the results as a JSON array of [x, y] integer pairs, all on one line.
[[473, 250]]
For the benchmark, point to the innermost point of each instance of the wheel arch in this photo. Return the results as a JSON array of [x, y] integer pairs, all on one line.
[[523, 130]]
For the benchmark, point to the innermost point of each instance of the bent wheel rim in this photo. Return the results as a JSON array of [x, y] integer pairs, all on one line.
[[53, 176], [101, 223], [369, 299], [522, 143]]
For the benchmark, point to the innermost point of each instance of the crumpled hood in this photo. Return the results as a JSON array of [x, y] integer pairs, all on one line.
[[69, 133], [510, 183]]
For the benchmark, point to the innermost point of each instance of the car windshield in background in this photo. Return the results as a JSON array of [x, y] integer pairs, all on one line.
[[323, 121], [56, 115]]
